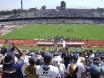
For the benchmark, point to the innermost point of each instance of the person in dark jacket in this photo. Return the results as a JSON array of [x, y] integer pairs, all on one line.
[[11, 68]]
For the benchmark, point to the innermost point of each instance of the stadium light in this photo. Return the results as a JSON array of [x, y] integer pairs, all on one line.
[[21, 5]]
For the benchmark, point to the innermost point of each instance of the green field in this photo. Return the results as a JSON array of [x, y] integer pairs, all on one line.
[[92, 32], [50, 48]]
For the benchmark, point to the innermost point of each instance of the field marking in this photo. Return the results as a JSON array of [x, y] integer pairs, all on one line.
[[27, 30]]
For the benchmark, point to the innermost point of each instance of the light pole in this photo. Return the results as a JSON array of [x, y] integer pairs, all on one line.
[[21, 5]]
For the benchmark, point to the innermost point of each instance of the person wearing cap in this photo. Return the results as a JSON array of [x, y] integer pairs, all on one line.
[[59, 59], [94, 70], [47, 70], [31, 69], [10, 68], [56, 62], [81, 68], [39, 60]]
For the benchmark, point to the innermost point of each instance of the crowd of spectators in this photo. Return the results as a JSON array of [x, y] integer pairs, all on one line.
[[56, 13], [55, 21], [17, 63], [7, 29], [64, 13]]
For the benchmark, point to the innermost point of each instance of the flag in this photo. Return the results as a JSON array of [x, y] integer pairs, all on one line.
[[5, 47]]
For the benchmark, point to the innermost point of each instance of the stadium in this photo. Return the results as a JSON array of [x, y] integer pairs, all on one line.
[[51, 27], [52, 43]]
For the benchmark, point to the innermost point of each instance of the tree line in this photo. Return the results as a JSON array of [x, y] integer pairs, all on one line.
[[16, 11]]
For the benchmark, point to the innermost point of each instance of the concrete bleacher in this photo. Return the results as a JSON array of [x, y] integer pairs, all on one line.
[[57, 13]]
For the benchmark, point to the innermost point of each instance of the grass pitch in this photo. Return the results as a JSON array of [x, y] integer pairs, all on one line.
[[91, 32]]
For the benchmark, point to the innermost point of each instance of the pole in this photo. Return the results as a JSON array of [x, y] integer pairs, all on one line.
[[21, 5]]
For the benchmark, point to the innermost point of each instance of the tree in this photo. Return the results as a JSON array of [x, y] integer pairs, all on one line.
[[33, 9]]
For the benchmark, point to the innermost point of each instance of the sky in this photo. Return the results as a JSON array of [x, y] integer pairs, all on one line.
[[16, 4]]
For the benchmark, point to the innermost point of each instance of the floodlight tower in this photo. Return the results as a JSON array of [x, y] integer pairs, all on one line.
[[21, 5]]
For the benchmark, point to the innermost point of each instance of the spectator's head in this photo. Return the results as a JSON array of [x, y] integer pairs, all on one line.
[[9, 58], [32, 60], [90, 51], [56, 62], [96, 60], [47, 58], [39, 57], [73, 70], [102, 58], [94, 71], [59, 58], [63, 54], [75, 57], [67, 58], [56, 54], [81, 54]]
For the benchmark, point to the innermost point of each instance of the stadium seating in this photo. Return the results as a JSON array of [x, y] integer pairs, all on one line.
[[57, 13]]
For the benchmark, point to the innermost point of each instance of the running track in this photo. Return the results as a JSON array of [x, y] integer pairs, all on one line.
[[90, 42]]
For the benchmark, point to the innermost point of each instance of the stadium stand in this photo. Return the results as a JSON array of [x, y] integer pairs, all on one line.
[[57, 13]]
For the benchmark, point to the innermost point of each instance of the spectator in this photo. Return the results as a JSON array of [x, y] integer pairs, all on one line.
[[26, 63], [31, 69], [91, 56], [47, 70], [81, 58], [67, 60], [94, 70], [80, 73], [73, 71], [57, 63], [10, 68], [39, 60]]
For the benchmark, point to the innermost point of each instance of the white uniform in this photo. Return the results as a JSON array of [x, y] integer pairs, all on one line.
[[80, 69], [52, 72]]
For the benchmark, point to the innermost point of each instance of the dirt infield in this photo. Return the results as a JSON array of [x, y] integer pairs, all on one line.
[[94, 43]]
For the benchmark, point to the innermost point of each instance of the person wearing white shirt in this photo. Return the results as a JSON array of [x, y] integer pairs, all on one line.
[[47, 70], [60, 61], [56, 62], [91, 56], [26, 63]]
